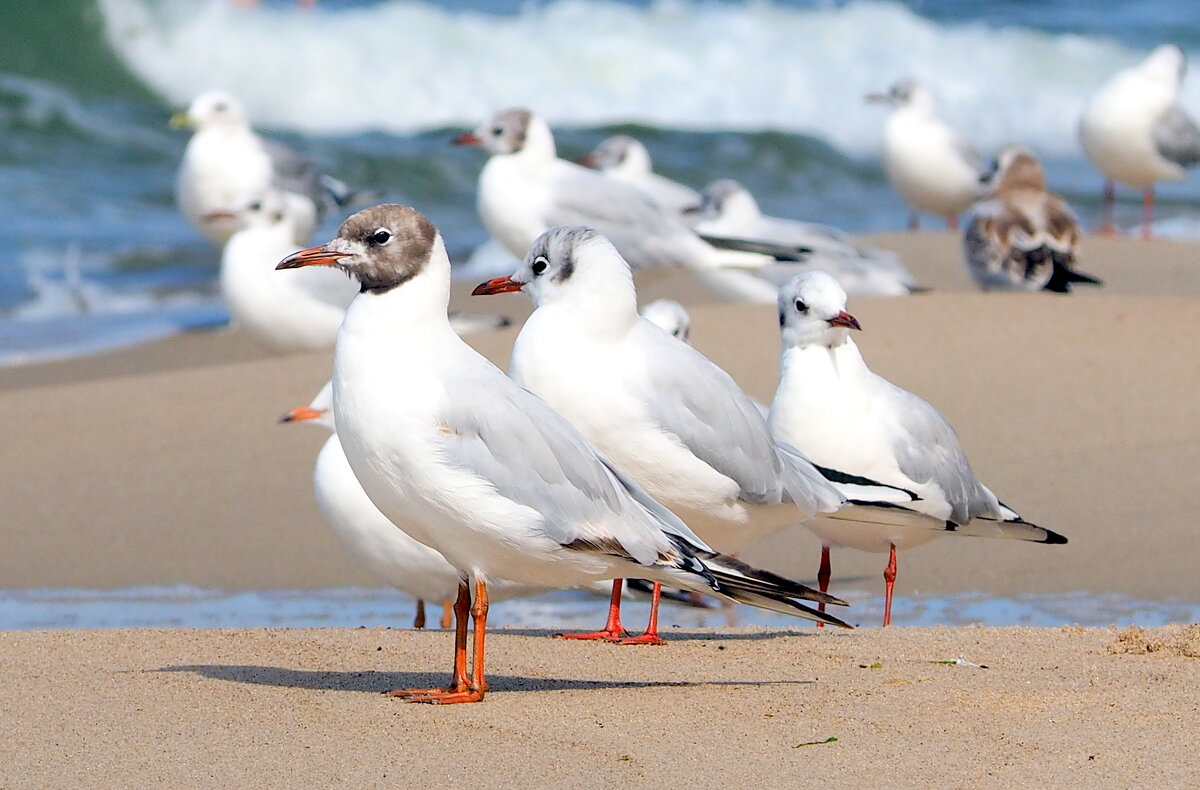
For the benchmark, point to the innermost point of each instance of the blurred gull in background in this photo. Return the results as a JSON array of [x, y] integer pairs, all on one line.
[[625, 158]]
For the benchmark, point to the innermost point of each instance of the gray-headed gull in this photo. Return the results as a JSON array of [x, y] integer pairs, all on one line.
[[225, 160], [833, 408], [657, 408], [471, 464], [728, 210], [1021, 237], [370, 538], [525, 189], [1135, 132], [932, 167], [625, 158]]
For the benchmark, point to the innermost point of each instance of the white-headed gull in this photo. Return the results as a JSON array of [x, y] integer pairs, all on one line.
[[728, 210], [625, 158], [225, 160], [1135, 132], [833, 408], [471, 464], [370, 538], [932, 167], [657, 408], [297, 313], [525, 189], [1021, 237]]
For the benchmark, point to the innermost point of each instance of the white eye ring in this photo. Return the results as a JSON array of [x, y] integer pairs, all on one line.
[[380, 237], [540, 264]]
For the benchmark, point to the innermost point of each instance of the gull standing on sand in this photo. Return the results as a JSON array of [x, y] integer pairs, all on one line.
[[1135, 132], [525, 189], [471, 464], [657, 408], [728, 210], [831, 406], [932, 167], [625, 158], [298, 313], [367, 535], [1021, 237], [225, 160]]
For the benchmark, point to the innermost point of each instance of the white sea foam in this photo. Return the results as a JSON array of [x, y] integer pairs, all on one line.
[[402, 66]]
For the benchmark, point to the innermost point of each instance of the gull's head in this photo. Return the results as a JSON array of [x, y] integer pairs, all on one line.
[[382, 247], [566, 263], [1166, 64], [619, 152], [512, 131], [212, 110], [264, 209], [669, 316], [904, 92], [1015, 167], [319, 412], [812, 310], [725, 200]]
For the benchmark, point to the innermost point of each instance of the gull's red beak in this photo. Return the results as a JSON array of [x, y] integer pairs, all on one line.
[[216, 215], [302, 413], [845, 319], [500, 285], [313, 256], [467, 138]]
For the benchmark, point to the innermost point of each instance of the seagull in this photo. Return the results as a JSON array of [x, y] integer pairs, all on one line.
[[297, 313], [932, 167], [1135, 132], [657, 408], [1021, 237], [469, 463], [626, 159], [728, 210], [525, 189], [831, 407], [225, 160]]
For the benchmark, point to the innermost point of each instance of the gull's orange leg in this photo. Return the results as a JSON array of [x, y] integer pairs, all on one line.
[[612, 629], [889, 580], [447, 614], [459, 680], [477, 686], [823, 578], [1147, 213], [419, 620], [952, 221], [651, 636]]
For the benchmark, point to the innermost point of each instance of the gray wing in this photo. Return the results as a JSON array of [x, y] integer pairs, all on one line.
[[532, 456], [1177, 138], [929, 452], [967, 152], [708, 412], [296, 172]]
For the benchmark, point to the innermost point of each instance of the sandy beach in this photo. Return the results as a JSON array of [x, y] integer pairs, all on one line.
[[164, 464]]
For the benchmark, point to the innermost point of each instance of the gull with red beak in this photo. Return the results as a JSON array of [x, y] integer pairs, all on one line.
[[469, 463], [843, 416], [656, 407]]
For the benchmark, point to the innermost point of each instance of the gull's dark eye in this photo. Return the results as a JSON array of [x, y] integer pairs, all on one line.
[[220, 107], [497, 131], [379, 237], [539, 265], [801, 307], [256, 206]]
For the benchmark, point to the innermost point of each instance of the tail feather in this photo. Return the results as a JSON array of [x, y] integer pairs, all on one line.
[[735, 574], [780, 252], [784, 606], [344, 196]]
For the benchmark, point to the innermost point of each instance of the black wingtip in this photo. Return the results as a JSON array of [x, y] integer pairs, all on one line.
[[1054, 539]]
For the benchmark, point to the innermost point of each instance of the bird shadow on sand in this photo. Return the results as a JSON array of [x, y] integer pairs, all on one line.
[[375, 682]]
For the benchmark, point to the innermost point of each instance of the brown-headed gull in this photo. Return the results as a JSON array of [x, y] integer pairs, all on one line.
[[469, 463], [727, 210], [625, 158], [225, 160], [1135, 132], [1021, 237], [525, 189], [932, 167], [661, 411], [831, 406]]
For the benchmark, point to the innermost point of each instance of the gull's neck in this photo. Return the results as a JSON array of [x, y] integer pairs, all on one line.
[[602, 302], [539, 145]]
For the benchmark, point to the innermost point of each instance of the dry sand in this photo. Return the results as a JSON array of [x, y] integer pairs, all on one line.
[[164, 464]]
